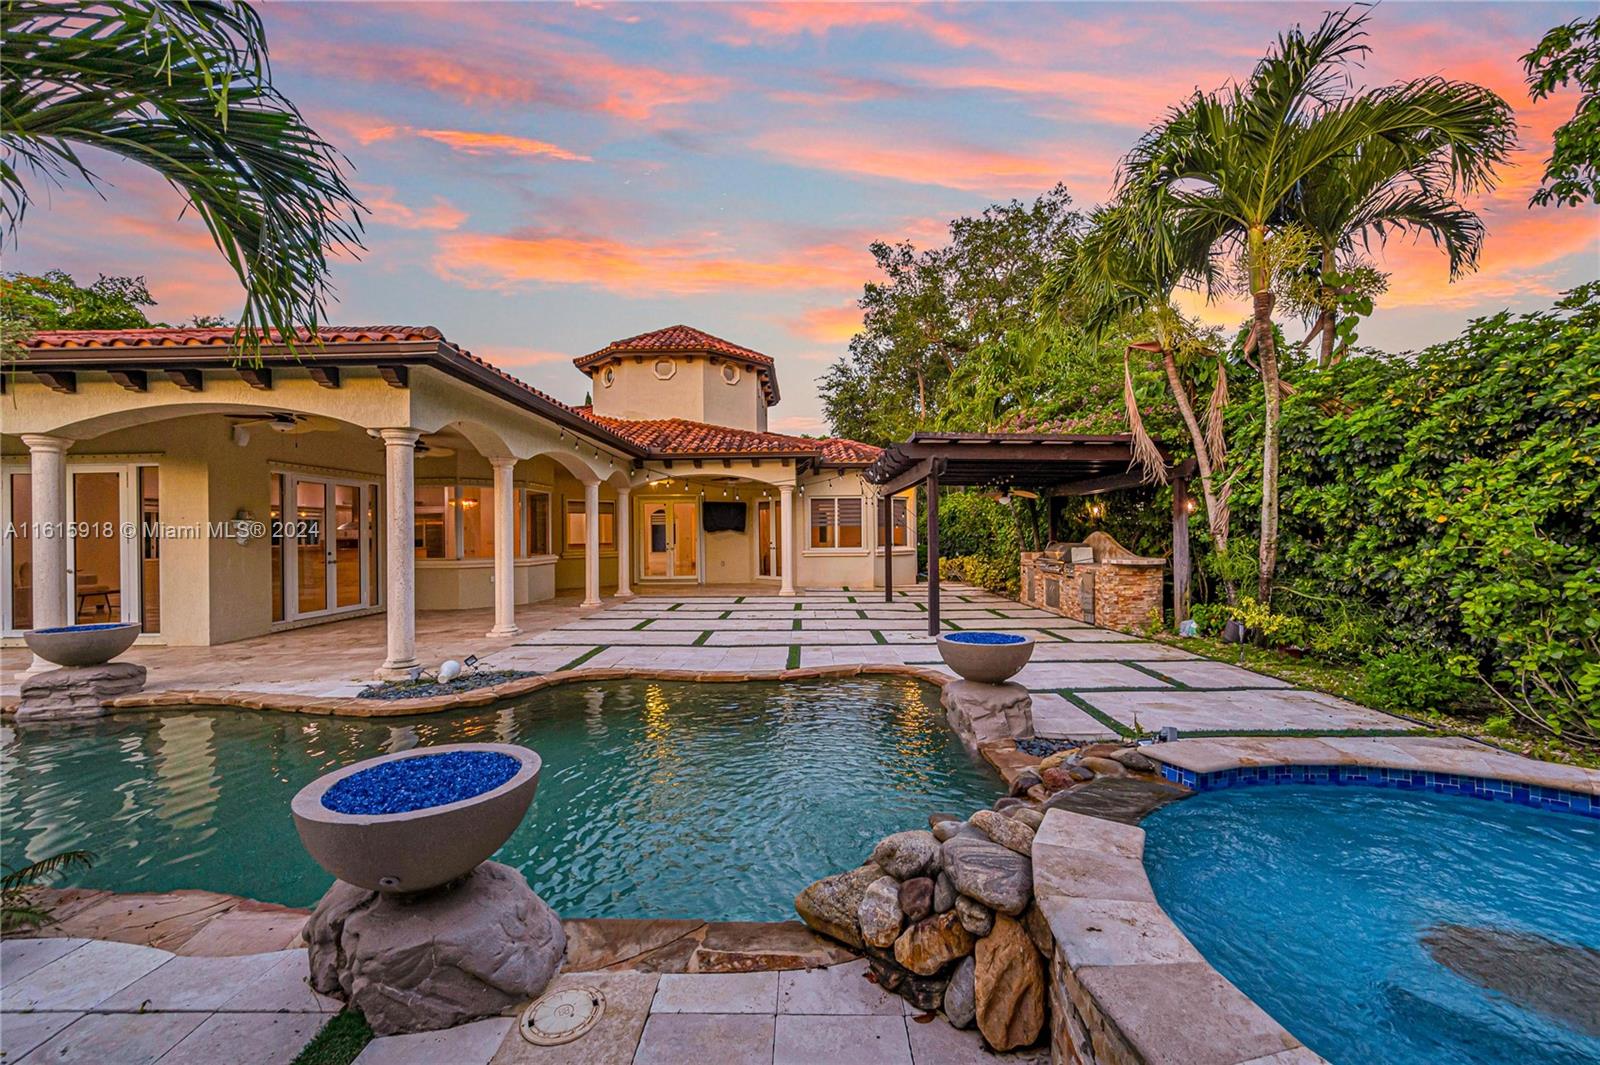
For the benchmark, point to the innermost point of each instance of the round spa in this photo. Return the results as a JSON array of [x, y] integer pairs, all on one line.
[[986, 657], [417, 819], [82, 645]]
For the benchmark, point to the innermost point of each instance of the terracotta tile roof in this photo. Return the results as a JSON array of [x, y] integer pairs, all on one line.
[[679, 436], [674, 338], [185, 338]]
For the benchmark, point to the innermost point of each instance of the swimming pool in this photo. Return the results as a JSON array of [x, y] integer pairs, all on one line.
[[1390, 926], [715, 801]]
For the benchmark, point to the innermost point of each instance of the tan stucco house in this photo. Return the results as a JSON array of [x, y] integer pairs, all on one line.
[[386, 469]]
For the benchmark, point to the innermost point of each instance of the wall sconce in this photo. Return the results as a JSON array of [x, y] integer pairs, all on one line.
[[1097, 511], [1188, 506], [242, 522]]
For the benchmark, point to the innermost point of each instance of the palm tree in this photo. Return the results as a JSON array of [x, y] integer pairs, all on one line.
[[1394, 185], [1121, 285], [1233, 165], [183, 87]]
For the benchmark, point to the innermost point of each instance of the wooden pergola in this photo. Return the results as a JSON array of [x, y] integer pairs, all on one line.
[[1059, 465]]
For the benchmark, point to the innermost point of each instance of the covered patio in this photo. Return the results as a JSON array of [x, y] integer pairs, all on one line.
[[1053, 464]]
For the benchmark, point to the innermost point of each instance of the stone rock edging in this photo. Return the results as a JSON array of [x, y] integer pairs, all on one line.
[[1126, 986], [948, 917], [349, 706]]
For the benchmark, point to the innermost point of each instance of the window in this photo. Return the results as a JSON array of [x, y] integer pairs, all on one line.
[[535, 518], [577, 534], [730, 373], [836, 523], [902, 520], [608, 376], [435, 529], [477, 521], [665, 368]]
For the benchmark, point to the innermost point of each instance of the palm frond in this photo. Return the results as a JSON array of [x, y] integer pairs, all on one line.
[[1145, 453], [183, 87], [45, 868]]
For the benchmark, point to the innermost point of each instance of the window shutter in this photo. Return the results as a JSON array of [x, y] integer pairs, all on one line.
[[850, 512]]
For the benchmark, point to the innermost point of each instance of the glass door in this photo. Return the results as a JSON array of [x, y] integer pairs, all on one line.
[[324, 550], [671, 549], [769, 559]]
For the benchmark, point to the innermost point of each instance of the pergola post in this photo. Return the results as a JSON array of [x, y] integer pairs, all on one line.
[[886, 523], [1180, 550], [933, 549]]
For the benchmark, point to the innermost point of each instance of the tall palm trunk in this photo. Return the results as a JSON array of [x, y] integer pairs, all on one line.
[[1267, 352], [1328, 321], [1210, 467]]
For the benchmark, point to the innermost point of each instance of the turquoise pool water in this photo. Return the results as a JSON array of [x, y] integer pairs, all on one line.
[[1380, 926], [717, 801]]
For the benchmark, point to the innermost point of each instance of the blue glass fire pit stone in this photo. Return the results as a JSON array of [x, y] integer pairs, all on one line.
[[418, 783], [984, 637]]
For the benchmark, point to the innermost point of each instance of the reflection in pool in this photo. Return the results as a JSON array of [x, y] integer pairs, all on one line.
[[1389, 926], [716, 801]]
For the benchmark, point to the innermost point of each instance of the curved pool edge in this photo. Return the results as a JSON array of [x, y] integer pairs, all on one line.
[[477, 698], [1127, 985]]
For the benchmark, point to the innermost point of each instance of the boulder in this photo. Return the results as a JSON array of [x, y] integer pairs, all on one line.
[[1024, 780], [831, 905], [1058, 777], [415, 963], [944, 893], [916, 898], [930, 945], [1009, 987], [935, 818], [1130, 758], [1050, 761], [924, 992], [907, 854], [76, 693], [975, 917], [945, 829], [996, 876], [1006, 831], [879, 915], [1028, 816], [960, 998], [1103, 767], [1008, 802], [982, 713]]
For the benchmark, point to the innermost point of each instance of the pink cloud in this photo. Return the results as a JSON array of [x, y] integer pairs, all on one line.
[[828, 325], [387, 210]]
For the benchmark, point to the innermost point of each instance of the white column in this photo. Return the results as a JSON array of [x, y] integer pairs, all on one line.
[[591, 543], [400, 456], [505, 549], [47, 456], [624, 542], [786, 517]]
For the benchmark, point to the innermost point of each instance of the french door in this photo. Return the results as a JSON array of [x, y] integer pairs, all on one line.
[[769, 538], [670, 529], [113, 548], [324, 543]]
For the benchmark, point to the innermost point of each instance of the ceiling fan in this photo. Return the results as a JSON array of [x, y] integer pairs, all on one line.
[[279, 422]]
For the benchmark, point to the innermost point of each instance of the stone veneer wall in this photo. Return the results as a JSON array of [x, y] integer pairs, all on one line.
[[1127, 595]]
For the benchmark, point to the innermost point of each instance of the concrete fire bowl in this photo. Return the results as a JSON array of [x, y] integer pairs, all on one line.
[[986, 657], [82, 645], [421, 847]]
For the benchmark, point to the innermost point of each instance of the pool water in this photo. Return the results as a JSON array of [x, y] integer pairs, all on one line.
[[1402, 928], [716, 801]]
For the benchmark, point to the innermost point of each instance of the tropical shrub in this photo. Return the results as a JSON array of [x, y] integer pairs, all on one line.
[[1413, 682]]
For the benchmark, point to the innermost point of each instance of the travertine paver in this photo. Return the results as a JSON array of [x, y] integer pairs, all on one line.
[[19, 957], [246, 1039], [83, 978], [716, 993], [1055, 718], [699, 1038], [837, 990], [1084, 675], [1205, 674], [21, 1032], [1246, 710], [466, 1044], [805, 1040], [193, 984], [123, 1038]]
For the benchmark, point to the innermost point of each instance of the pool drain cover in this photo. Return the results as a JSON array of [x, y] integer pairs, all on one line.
[[562, 1016]]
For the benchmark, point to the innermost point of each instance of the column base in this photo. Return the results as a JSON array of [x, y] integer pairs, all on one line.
[[590, 604], [395, 670], [623, 593], [497, 632]]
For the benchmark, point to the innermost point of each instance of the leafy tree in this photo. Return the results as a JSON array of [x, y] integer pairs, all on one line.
[[54, 300], [1569, 54], [936, 308], [182, 87], [1216, 183]]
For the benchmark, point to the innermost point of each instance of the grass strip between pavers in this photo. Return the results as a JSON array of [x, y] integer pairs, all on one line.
[[876, 635], [643, 624], [794, 656], [700, 640], [339, 1042], [581, 659], [1199, 734], [1157, 674], [795, 625], [674, 606]]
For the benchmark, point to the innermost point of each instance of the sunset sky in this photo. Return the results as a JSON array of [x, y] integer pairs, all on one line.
[[545, 178]]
